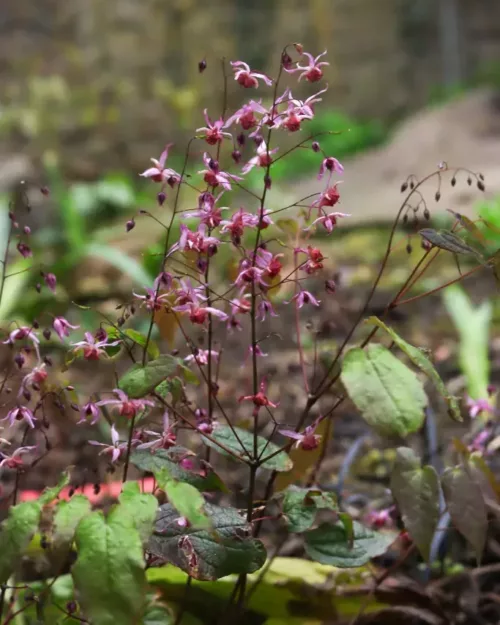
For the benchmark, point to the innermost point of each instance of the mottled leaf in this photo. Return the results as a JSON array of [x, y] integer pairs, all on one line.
[[141, 507], [234, 438], [470, 226], [208, 554], [67, 516], [301, 504], [420, 360], [186, 499], [109, 573], [204, 479], [466, 506], [141, 380], [15, 535], [446, 240], [416, 491], [389, 396], [329, 544]]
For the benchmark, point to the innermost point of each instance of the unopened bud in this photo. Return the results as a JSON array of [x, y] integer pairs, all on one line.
[[46, 334], [469, 181], [315, 146], [286, 60], [330, 286], [38, 287], [26, 394], [130, 225], [24, 250], [299, 47], [27, 230], [426, 245], [258, 139], [409, 248], [51, 281], [19, 360], [437, 197], [412, 185], [236, 156], [48, 361], [161, 197], [453, 181], [404, 186], [35, 324], [267, 181], [427, 214], [202, 66], [480, 185], [241, 139], [44, 191], [481, 177]]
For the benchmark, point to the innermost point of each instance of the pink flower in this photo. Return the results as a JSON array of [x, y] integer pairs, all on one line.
[[328, 221], [306, 107], [480, 441], [245, 116], [90, 409], [126, 407], [22, 333], [311, 72], [258, 351], [199, 314], [208, 213], [478, 406], [380, 518], [214, 177], [308, 440], [269, 263], [246, 77], [240, 220], [20, 413], [195, 241], [265, 308], [315, 258], [166, 439], [259, 400], [304, 297], [212, 132], [152, 300], [330, 197], [115, 450], [92, 348], [189, 294], [250, 274], [262, 158], [35, 378], [15, 461], [62, 327], [159, 173], [201, 356], [330, 164]]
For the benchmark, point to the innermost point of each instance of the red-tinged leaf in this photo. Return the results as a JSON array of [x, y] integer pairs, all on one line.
[[470, 226], [416, 491], [466, 506]]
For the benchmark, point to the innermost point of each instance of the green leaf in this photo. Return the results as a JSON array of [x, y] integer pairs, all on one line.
[[141, 339], [208, 554], [420, 360], [141, 507], [301, 504], [120, 260], [466, 506], [67, 516], [225, 435], [139, 380], [446, 240], [389, 396], [186, 499], [49, 494], [172, 386], [16, 534], [416, 491], [289, 226], [109, 574], [329, 544], [473, 325], [205, 480], [470, 226]]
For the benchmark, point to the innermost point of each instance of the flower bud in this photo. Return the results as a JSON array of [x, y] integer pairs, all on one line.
[[50, 281], [27, 230], [267, 181], [47, 334], [404, 187], [236, 156], [44, 191], [480, 185], [161, 197], [202, 66], [330, 286], [24, 250], [453, 181], [315, 146], [130, 225], [19, 360], [286, 60], [437, 197], [241, 139]]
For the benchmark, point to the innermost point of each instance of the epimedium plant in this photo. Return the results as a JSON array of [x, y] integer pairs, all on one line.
[[165, 417]]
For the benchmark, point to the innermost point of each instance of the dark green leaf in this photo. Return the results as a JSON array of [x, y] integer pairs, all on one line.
[[466, 506], [139, 380], [446, 240], [329, 544], [186, 499], [205, 480], [141, 339], [109, 573], [420, 360], [301, 504], [224, 434], [141, 507], [66, 518], [16, 534], [389, 396], [416, 491], [208, 554]]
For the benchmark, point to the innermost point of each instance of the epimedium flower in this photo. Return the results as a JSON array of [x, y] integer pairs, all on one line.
[[247, 78], [190, 241], [304, 297], [93, 348], [34, 378], [89, 410], [331, 165], [164, 440], [62, 327], [20, 413], [250, 274], [245, 116], [237, 223], [160, 173], [125, 406], [260, 399], [328, 221], [268, 262], [115, 450], [213, 176], [261, 159], [329, 197], [24, 332], [478, 406], [312, 72], [186, 293], [15, 460], [199, 314], [208, 213], [201, 356], [213, 132], [307, 440], [265, 308]]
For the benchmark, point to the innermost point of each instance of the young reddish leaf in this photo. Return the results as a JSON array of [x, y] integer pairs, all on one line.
[[304, 460], [420, 360], [480, 465], [466, 506], [389, 396], [109, 573], [226, 436], [416, 491], [330, 544], [227, 548], [15, 535]]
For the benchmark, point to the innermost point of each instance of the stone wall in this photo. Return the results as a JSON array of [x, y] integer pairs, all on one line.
[[106, 83]]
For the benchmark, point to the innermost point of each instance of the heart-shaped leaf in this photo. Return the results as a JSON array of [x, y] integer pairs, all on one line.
[[329, 544], [420, 360], [208, 554], [301, 504], [466, 506], [141, 380], [449, 241], [388, 394], [241, 442], [109, 574], [186, 499], [416, 491], [15, 535], [141, 507], [67, 516], [205, 479]]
